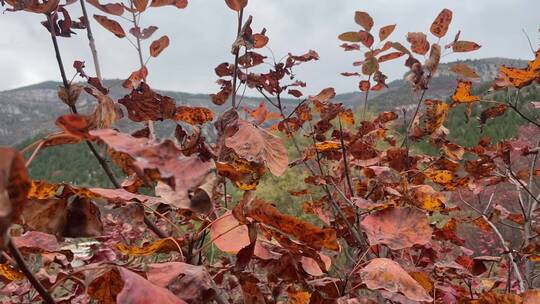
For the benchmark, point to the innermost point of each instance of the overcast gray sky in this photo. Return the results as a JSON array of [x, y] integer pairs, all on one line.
[[201, 36]]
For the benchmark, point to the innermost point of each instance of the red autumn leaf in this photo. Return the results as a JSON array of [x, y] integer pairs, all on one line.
[[135, 79], [228, 234], [440, 25], [363, 19], [111, 25], [382, 273], [109, 8], [465, 46], [140, 5], [398, 228], [419, 43], [295, 93], [177, 3], [390, 56], [256, 144], [119, 285], [158, 46], [386, 31], [236, 5], [33, 6]]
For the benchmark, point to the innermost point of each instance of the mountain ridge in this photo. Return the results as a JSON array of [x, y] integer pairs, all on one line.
[[36, 106]]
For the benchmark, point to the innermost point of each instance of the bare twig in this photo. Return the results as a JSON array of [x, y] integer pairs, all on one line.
[[237, 52], [91, 41]]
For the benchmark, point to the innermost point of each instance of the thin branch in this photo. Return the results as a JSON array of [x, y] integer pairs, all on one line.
[[91, 41], [507, 250], [47, 298], [235, 72], [344, 155]]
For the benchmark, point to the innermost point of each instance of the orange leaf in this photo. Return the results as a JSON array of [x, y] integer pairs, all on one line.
[[111, 25], [42, 190], [10, 274], [363, 19], [158, 46], [307, 233], [517, 77], [382, 273], [193, 115], [158, 246], [462, 94], [390, 56], [439, 27]]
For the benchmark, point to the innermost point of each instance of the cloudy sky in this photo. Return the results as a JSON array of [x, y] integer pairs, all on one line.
[[201, 36]]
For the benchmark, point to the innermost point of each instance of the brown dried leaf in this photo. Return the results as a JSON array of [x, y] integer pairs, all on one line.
[[364, 20], [159, 45], [382, 273], [256, 144], [111, 25]]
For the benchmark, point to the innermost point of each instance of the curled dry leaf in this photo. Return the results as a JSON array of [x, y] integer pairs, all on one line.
[[70, 96], [436, 113], [76, 125], [364, 20], [492, 112], [440, 25], [307, 233], [244, 174], [111, 25], [434, 57], [256, 144], [145, 33], [398, 228], [14, 187], [159, 45], [144, 104], [382, 273], [419, 43]]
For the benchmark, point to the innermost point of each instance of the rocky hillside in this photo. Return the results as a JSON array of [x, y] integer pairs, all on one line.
[[30, 110]]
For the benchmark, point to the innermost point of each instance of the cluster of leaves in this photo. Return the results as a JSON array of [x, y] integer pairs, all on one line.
[[391, 216]]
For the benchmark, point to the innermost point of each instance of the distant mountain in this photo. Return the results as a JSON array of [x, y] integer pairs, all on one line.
[[31, 110]]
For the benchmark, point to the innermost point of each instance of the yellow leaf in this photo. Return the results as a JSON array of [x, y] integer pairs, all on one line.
[[162, 245]]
